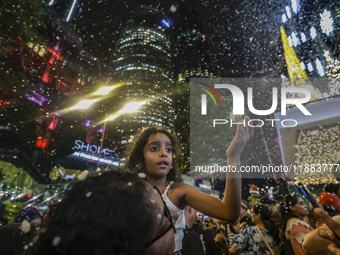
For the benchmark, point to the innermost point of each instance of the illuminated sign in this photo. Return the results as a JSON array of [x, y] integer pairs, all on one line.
[[166, 23], [79, 145], [95, 158]]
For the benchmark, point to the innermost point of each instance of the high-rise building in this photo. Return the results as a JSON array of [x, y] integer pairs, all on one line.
[[142, 58], [190, 52], [44, 77]]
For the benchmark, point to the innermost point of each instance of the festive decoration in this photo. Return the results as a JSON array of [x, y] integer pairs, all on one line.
[[317, 151], [333, 73], [297, 76]]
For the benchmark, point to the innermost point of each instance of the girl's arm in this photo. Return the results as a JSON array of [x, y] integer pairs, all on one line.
[[229, 208]]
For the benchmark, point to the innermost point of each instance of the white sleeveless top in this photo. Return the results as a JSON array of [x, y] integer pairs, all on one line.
[[180, 223]]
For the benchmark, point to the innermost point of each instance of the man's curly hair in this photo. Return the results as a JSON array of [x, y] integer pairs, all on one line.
[[108, 213], [134, 151]]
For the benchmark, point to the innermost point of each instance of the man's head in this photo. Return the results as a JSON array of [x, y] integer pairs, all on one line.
[[190, 216]]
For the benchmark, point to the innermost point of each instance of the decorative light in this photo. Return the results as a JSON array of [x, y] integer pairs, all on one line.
[[310, 67], [129, 108], [296, 5], [303, 37], [303, 66], [290, 41], [71, 10], [319, 67], [166, 22], [296, 40], [326, 22], [84, 104], [289, 14], [104, 90], [284, 18], [318, 146], [313, 32]]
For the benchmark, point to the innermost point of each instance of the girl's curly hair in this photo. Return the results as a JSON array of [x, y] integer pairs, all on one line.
[[134, 151]]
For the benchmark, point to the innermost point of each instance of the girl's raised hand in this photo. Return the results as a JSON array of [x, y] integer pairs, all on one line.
[[241, 138]]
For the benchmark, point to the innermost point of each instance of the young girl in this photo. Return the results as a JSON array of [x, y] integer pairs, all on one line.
[[154, 154]]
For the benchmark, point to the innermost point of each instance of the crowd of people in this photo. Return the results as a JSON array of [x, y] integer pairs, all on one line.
[[143, 208]]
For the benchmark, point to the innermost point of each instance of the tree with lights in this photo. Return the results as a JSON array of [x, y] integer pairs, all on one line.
[[297, 76]]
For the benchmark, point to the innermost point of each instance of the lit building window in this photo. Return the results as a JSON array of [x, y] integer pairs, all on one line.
[[289, 14], [303, 66], [313, 32], [303, 37], [326, 22], [310, 67], [319, 67], [42, 52], [284, 18]]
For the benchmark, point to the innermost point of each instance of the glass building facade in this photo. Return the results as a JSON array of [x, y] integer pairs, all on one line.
[[142, 58]]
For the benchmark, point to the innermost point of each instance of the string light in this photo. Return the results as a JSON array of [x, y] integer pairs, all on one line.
[[316, 150]]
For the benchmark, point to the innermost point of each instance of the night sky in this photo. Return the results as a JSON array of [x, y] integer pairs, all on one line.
[[243, 36]]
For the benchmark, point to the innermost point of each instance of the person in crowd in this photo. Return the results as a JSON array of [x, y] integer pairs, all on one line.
[[250, 204], [245, 217], [293, 210], [331, 212], [254, 194], [234, 228], [221, 243], [110, 212], [32, 214], [276, 216], [154, 154], [216, 227], [267, 202], [260, 239], [327, 234], [3, 214], [330, 195], [15, 237], [192, 243], [293, 189], [209, 243], [316, 242]]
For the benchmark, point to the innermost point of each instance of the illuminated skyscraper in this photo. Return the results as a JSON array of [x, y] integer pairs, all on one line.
[[142, 58]]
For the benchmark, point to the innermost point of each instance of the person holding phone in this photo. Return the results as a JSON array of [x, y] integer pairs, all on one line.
[[323, 240], [327, 234]]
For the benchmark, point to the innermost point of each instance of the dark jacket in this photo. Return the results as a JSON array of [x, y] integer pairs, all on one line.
[[191, 243], [209, 242], [13, 240]]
